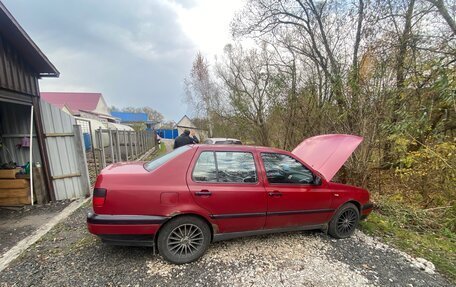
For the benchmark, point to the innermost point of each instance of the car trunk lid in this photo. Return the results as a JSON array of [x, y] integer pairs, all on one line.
[[125, 168], [327, 153]]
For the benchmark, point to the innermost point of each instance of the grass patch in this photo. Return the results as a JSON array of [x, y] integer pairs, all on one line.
[[409, 230], [161, 150]]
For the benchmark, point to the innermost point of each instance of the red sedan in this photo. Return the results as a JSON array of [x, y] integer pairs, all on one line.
[[198, 194]]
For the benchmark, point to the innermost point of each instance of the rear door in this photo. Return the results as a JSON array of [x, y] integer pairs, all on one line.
[[226, 183], [293, 198]]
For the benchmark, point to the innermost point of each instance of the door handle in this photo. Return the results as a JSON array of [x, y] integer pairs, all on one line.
[[275, 193], [203, 192]]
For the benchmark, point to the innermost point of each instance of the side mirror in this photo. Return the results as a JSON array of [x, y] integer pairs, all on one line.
[[317, 180]]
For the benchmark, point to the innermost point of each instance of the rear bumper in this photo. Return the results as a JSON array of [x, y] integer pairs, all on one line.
[[366, 209], [104, 224]]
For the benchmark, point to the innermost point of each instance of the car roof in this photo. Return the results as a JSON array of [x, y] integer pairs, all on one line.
[[222, 139], [239, 148]]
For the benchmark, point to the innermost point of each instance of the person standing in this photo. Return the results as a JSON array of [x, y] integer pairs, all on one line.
[[185, 139]]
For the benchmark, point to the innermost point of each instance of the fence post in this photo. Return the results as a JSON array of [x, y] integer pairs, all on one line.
[[141, 147], [119, 154], [147, 140], [82, 160], [125, 145], [131, 146], [111, 145], [93, 148], [97, 159], [135, 138], [144, 141], [103, 154], [153, 139]]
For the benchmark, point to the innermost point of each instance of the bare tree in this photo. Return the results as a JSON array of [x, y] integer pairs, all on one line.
[[201, 92], [440, 5], [251, 86]]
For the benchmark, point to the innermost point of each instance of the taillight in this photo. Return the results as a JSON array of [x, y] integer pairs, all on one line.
[[99, 197]]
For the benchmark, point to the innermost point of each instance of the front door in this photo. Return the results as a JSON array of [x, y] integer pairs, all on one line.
[[226, 184], [293, 198]]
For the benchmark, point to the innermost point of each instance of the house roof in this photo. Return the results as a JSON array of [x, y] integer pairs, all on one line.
[[15, 34], [73, 101], [182, 119], [126, 117]]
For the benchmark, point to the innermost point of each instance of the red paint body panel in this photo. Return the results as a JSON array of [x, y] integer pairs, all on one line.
[[327, 153], [170, 191], [231, 198]]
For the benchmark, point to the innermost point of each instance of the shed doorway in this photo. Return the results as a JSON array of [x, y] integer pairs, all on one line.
[[21, 178]]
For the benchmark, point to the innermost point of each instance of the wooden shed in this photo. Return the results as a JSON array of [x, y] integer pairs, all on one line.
[[33, 135]]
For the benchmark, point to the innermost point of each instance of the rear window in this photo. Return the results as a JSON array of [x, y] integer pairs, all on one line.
[[228, 142], [151, 165]]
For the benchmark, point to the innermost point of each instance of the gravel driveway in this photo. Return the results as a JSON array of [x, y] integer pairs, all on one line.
[[18, 223], [70, 256]]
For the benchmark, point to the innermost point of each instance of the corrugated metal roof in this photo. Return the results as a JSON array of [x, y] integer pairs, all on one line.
[[22, 42], [74, 101], [126, 117]]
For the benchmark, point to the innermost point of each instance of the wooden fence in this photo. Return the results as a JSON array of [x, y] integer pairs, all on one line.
[[111, 146]]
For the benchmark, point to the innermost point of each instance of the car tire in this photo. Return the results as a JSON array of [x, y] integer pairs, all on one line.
[[183, 239], [344, 222]]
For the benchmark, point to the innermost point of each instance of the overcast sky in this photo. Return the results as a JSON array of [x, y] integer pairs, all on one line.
[[135, 52]]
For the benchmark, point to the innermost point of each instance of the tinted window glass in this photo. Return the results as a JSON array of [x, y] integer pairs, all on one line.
[[151, 165], [236, 167], [205, 169], [281, 168]]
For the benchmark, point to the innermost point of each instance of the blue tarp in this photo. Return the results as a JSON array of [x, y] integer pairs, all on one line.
[[167, 133], [126, 117], [87, 141]]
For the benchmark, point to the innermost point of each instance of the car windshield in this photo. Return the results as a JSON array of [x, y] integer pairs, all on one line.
[[151, 165]]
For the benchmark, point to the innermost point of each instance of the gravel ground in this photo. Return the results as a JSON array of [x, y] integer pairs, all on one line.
[[18, 223], [70, 256]]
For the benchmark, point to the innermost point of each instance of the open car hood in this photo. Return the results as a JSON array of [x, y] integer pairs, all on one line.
[[327, 153]]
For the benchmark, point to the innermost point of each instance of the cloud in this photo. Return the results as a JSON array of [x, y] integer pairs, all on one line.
[[134, 52]]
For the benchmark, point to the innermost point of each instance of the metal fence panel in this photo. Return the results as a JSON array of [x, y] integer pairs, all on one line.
[[69, 176]]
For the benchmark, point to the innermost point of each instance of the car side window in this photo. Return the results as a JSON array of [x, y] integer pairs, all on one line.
[[281, 168], [236, 166], [225, 166], [205, 168]]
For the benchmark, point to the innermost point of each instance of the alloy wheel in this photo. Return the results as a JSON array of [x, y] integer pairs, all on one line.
[[347, 222], [185, 240]]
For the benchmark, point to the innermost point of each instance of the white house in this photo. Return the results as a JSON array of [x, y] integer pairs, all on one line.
[[186, 124]]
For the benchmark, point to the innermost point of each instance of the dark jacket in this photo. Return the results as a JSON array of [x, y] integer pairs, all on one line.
[[185, 139]]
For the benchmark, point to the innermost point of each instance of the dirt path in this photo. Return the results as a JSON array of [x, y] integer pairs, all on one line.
[[70, 256], [168, 144], [18, 223]]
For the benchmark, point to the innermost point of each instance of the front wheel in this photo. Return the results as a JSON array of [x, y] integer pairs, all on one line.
[[183, 239], [344, 222]]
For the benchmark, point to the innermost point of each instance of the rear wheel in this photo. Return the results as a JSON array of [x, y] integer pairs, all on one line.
[[344, 222], [183, 239]]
